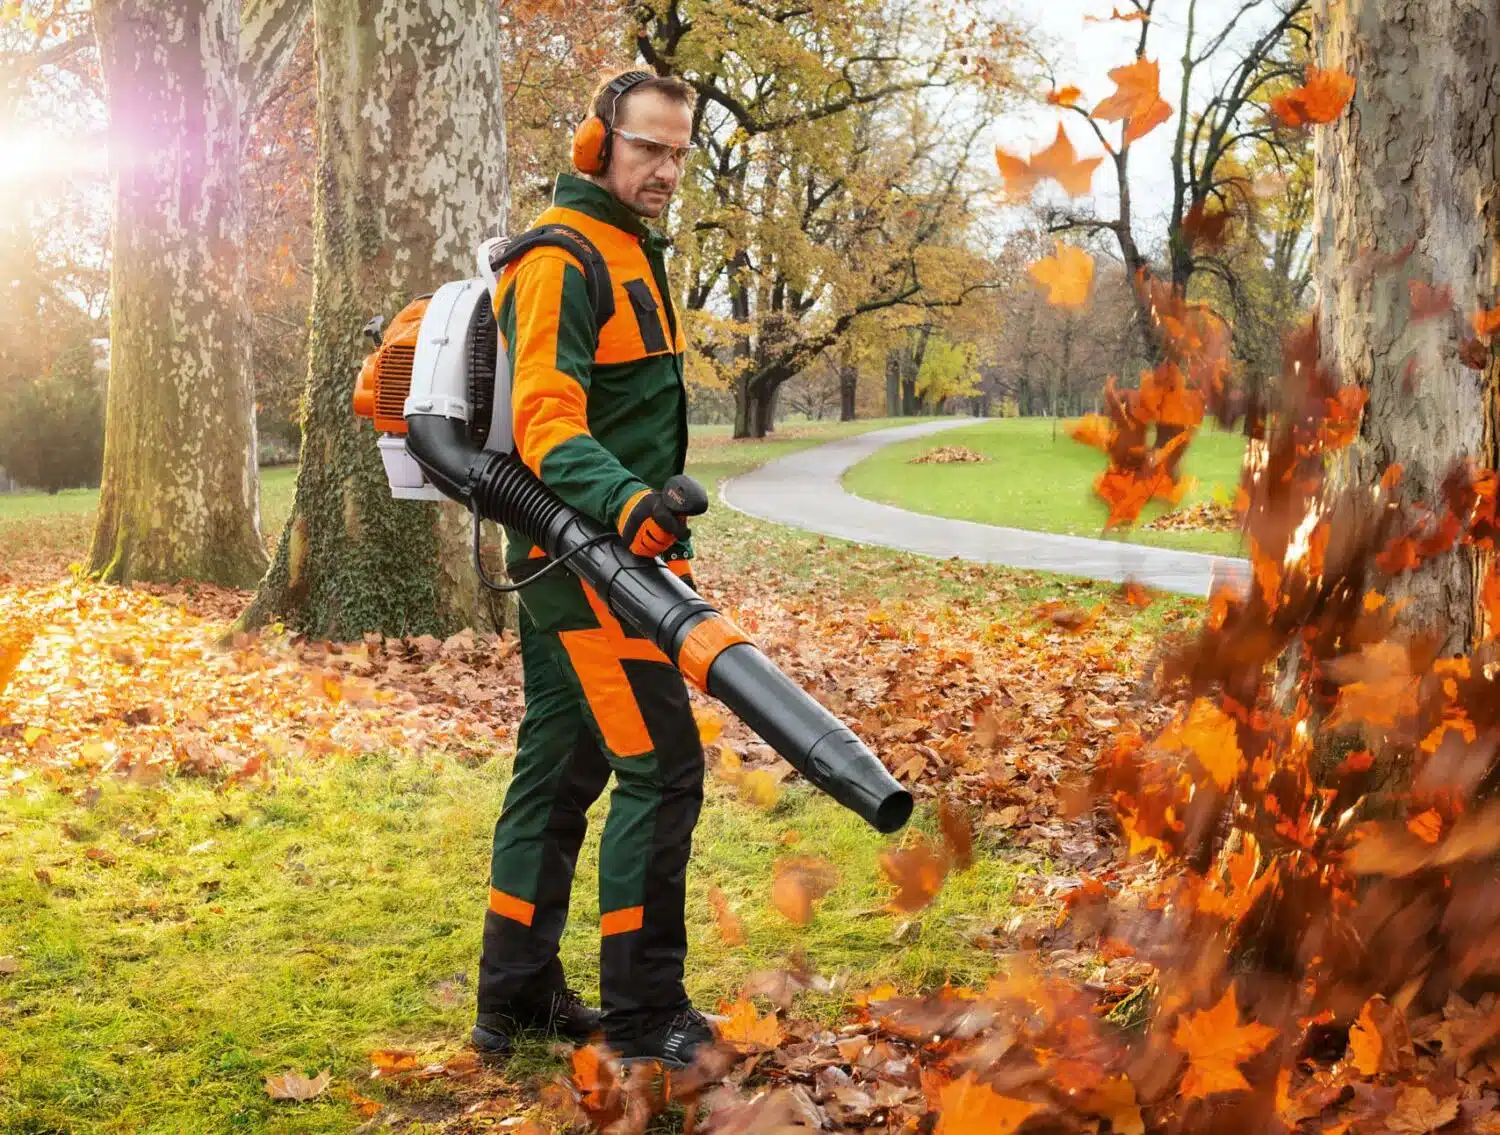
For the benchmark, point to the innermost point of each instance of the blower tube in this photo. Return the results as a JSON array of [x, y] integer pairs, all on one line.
[[643, 594]]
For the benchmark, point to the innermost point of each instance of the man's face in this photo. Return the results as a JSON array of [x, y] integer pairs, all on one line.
[[643, 172]]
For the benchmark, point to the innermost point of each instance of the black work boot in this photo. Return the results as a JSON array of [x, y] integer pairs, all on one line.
[[560, 1012], [672, 1041]]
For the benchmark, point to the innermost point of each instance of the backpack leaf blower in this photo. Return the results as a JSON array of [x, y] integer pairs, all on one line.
[[438, 392]]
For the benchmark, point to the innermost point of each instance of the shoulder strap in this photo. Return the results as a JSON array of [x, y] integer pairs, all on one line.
[[569, 239]]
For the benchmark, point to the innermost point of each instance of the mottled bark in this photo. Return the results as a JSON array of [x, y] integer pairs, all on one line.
[[269, 33], [1413, 163], [410, 178], [180, 492]]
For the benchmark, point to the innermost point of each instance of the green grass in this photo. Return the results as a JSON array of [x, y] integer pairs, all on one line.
[[248, 932], [1040, 482]]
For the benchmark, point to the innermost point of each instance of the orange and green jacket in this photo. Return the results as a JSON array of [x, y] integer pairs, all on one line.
[[599, 413]]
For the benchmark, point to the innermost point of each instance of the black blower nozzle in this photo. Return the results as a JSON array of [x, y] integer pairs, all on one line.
[[643, 594]]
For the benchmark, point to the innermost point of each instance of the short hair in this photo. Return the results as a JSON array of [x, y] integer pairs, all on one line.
[[606, 107]]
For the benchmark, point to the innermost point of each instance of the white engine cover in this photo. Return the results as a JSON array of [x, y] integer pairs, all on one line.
[[440, 378]]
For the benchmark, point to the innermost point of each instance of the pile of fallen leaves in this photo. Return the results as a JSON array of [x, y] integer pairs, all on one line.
[[1206, 516], [135, 683], [948, 455]]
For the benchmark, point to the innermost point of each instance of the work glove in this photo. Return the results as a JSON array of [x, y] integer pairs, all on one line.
[[653, 521]]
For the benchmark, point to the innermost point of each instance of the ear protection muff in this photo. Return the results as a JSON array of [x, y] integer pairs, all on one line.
[[594, 138]]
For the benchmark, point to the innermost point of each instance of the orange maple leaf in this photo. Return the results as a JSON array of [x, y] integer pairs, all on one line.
[[730, 927], [967, 1107], [1428, 302], [1321, 98], [1216, 1043], [1066, 274], [1061, 163], [1137, 99], [1428, 827], [747, 1030], [958, 835], [1064, 96], [800, 882], [1116, 14], [1209, 733], [1486, 323], [918, 873], [1092, 429]]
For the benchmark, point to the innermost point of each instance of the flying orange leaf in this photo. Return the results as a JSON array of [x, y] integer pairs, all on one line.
[[1137, 99], [1216, 1043], [710, 725], [1091, 429], [1064, 96], [1205, 229], [1209, 734], [801, 881], [1428, 827], [1379, 1041], [1428, 302], [918, 874], [1066, 274], [1116, 14], [1321, 99], [1115, 1101], [747, 1030], [958, 836], [730, 927], [967, 1107], [1059, 161], [1486, 323]]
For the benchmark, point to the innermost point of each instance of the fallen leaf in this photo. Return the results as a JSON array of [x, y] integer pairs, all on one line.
[[9, 965], [1066, 274], [1418, 1112], [390, 1061], [747, 1030], [1486, 322], [967, 1107], [1115, 1100], [1064, 96], [1216, 1043], [295, 1086]]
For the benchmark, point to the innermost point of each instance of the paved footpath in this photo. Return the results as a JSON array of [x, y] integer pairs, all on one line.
[[803, 490]]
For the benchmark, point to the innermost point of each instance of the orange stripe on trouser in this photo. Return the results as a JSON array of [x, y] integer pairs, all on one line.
[[508, 906], [597, 657], [622, 921]]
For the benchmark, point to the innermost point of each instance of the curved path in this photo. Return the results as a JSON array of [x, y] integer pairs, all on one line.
[[803, 490]]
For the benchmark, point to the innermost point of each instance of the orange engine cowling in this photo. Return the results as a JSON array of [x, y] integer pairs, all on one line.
[[385, 379]]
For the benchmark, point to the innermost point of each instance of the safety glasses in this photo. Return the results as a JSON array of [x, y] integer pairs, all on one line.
[[658, 151]]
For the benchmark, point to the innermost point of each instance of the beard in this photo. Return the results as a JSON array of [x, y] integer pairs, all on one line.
[[651, 202]]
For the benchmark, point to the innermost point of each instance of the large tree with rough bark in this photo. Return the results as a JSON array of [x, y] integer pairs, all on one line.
[[411, 175], [180, 491], [1408, 197]]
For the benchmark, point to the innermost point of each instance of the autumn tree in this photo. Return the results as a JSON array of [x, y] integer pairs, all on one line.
[[1410, 251], [834, 180], [48, 251], [1258, 40], [180, 492], [411, 177]]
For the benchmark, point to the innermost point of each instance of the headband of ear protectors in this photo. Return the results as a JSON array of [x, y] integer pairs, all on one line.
[[594, 138]]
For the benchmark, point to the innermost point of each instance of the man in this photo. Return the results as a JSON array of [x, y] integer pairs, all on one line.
[[600, 415]]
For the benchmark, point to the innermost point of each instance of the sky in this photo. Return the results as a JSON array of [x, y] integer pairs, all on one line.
[[1082, 53]]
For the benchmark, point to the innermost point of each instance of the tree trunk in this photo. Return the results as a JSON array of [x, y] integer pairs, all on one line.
[[848, 389], [1414, 161], [410, 178], [180, 496], [892, 383]]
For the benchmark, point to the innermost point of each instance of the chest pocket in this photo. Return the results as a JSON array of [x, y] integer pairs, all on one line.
[[647, 316]]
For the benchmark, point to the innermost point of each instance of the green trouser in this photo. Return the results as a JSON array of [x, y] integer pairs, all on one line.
[[598, 700]]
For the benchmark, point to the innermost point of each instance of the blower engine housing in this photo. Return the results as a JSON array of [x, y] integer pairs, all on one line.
[[452, 368]]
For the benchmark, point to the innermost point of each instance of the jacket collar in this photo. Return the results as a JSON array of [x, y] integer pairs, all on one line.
[[570, 192]]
